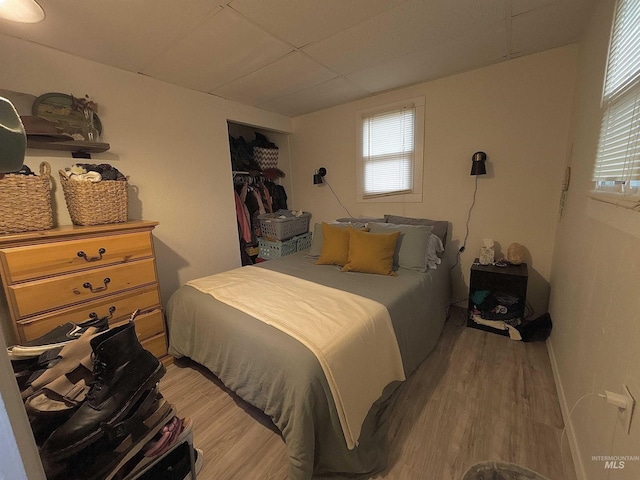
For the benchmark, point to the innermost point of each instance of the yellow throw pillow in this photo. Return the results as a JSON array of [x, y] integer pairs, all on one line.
[[371, 252], [335, 245]]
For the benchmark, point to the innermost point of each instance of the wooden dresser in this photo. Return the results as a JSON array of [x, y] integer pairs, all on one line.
[[70, 273]]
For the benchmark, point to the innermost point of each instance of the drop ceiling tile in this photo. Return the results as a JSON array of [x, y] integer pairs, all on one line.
[[458, 55], [547, 27], [121, 33], [404, 30], [328, 94], [380, 44], [285, 76], [220, 50], [301, 22], [522, 6]]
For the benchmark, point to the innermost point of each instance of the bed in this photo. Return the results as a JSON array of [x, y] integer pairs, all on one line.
[[254, 359]]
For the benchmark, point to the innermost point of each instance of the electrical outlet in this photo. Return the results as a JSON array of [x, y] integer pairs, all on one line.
[[625, 415], [625, 403]]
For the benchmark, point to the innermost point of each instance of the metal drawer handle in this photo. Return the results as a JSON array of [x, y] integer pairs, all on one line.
[[97, 289], [94, 315], [81, 254]]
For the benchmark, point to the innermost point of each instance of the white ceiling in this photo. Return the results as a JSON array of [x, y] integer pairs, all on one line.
[[298, 56]]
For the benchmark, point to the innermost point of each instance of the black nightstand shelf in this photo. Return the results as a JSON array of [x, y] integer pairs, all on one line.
[[507, 283]]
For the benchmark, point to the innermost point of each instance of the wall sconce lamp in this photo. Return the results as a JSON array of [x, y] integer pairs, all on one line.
[[317, 177], [478, 166]]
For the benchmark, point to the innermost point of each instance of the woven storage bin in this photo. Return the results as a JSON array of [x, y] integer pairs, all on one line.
[[266, 157], [25, 202], [269, 250], [303, 241], [275, 228], [95, 203]]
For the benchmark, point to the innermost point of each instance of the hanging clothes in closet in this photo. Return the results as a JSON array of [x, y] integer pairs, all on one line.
[[254, 196]]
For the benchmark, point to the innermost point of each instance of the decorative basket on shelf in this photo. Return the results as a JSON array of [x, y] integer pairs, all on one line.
[[95, 203], [266, 157], [25, 202]]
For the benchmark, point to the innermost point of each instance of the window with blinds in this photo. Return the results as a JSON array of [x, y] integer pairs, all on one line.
[[617, 167], [390, 158]]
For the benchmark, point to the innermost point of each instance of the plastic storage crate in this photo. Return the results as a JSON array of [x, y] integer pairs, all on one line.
[[274, 228], [303, 241], [269, 250]]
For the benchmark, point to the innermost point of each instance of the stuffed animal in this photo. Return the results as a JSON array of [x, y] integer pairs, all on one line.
[[516, 254]]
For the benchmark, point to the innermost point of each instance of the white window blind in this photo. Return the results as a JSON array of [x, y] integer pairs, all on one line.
[[388, 152], [617, 165]]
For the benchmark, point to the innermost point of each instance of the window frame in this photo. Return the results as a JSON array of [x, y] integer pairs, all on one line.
[[415, 194], [624, 192]]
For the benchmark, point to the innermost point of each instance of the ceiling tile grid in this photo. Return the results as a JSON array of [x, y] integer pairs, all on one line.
[[287, 75], [222, 49], [458, 55], [301, 22], [297, 56], [408, 28]]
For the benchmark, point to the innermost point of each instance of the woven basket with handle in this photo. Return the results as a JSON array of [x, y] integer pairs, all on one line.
[[95, 203], [25, 202]]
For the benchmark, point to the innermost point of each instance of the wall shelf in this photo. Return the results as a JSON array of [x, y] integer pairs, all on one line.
[[74, 146]]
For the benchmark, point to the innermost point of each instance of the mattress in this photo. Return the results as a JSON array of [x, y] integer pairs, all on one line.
[[254, 360]]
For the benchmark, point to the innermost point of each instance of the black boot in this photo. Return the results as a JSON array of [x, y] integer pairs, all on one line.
[[122, 371]]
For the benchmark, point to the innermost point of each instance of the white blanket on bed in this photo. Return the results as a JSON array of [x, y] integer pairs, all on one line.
[[352, 336]]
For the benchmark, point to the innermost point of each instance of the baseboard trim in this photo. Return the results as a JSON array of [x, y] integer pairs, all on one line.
[[564, 407]]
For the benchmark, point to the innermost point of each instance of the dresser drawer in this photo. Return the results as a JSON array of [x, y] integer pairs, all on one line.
[[156, 345], [52, 293], [144, 299], [55, 258], [147, 324]]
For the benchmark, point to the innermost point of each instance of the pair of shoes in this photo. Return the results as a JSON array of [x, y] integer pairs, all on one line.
[[58, 363], [199, 462], [123, 371], [176, 465], [58, 337], [55, 402], [173, 433], [104, 458], [24, 368]]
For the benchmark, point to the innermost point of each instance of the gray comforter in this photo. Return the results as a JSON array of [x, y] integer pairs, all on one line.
[[254, 360]]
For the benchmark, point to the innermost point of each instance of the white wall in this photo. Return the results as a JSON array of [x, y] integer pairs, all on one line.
[[20, 458], [173, 144], [518, 112], [594, 289]]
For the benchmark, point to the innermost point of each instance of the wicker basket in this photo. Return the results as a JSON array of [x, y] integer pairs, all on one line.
[[25, 202], [95, 203], [266, 157], [275, 228]]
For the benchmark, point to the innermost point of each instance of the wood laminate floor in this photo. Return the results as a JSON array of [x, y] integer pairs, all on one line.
[[478, 396]]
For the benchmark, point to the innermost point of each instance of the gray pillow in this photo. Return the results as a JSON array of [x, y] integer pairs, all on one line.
[[440, 227], [360, 220], [412, 247]]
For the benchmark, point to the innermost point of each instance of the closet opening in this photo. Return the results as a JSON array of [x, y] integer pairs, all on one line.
[[260, 168]]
